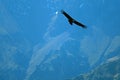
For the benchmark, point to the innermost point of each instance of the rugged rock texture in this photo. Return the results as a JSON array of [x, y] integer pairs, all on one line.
[[110, 70]]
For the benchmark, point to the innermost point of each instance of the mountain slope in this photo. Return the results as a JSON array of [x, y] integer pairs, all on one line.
[[110, 70]]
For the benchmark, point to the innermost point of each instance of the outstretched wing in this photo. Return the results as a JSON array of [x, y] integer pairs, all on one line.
[[79, 24], [66, 15], [71, 20]]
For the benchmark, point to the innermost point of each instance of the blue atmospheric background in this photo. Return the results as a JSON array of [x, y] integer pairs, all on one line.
[[38, 43]]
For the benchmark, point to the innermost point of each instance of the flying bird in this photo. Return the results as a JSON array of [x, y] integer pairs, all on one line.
[[71, 20]]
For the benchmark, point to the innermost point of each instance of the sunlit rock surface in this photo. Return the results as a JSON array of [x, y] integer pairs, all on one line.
[[106, 71]]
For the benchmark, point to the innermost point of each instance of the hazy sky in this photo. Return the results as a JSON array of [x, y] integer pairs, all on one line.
[[41, 23]]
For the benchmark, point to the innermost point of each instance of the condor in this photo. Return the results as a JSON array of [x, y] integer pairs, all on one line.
[[71, 20]]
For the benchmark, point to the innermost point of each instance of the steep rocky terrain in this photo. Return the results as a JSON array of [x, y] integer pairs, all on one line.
[[110, 70]]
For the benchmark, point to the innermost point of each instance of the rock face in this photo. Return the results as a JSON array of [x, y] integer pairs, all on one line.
[[61, 64], [110, 70], [13, 57]]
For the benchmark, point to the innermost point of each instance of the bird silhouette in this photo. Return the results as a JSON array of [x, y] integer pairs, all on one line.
[[71, 20]]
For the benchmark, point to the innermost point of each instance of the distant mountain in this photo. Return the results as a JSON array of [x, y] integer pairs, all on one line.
[[61, 64], [14, 57], [62, 58], [109, 70]]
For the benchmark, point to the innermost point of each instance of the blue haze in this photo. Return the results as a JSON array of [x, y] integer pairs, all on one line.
[[38, 43]]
